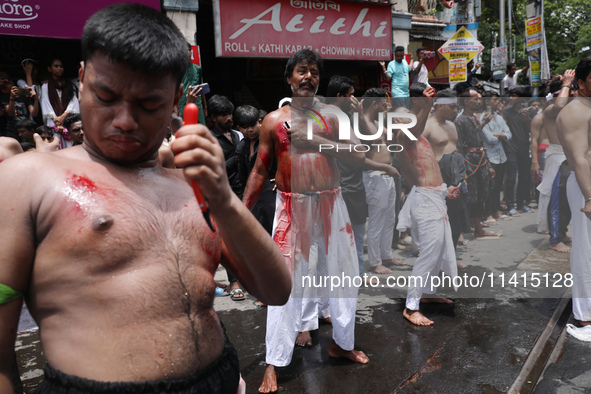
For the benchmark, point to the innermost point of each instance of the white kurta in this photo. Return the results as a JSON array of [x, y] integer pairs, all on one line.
[[315, 236], [425, 210], [580, 255], [48, 113], [554, 158]]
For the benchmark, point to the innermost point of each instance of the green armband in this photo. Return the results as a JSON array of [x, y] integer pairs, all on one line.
[[7, 294]]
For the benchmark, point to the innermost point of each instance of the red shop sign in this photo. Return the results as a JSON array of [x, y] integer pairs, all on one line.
[[279, 28]]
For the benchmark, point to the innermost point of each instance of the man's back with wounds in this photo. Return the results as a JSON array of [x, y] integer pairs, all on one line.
[[110, 249]]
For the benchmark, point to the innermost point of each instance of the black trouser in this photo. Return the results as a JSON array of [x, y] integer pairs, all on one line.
[[518, 171], [493, 203], [220, 377]]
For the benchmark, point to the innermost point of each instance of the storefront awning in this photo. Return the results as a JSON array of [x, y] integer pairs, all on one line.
[[55, 19]]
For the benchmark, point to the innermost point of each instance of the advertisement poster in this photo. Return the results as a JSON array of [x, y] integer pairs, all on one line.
[[458, 70], [533, 33]]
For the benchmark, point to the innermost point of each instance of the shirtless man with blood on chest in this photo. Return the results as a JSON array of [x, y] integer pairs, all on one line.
[[311, 225]]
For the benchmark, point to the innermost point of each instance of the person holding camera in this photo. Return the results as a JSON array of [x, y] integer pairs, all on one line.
[[17, 104], [419, 70]]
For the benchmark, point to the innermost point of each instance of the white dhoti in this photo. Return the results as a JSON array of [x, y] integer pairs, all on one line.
[[315, 236], [425, 210], [580, 255], [380, 192], [554, 157]]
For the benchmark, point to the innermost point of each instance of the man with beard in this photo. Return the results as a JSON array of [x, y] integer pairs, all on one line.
[[311, 226], [471, 146]]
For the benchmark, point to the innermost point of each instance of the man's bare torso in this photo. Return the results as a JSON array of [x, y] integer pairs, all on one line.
[[579, 109], [549, 126], [417, 163], [124, 269], [443, 137], [378, 151], [302, 170]]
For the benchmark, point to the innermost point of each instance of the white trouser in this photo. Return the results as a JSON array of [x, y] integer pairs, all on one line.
[[580, 255], [380, 192]]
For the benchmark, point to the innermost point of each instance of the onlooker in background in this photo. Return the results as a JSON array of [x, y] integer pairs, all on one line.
[[478, 169], [73, 124], [419, 70], [17, 104], [26, 129], [513, 74], [518, 152], [398, 72], [191, 92], [248, 121], [495, 132], [220, 111], [58, 99]]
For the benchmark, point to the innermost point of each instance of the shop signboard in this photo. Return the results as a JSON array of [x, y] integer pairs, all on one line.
[[56, 18], [273, 28]]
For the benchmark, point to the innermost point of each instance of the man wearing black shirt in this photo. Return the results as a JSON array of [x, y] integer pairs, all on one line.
[[518, 152]]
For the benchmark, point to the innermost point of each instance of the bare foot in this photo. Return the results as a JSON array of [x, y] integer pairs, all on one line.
[[416, 317], [380, 269], [304, 339], [357, 356], [399, 247], [220, 284], [397, 262], [559, 247], [485, 234], [566, 240], [436, 300], [544, 232], [325, 320], [460, 265], [260, 304], [585, 323], [269, 384]]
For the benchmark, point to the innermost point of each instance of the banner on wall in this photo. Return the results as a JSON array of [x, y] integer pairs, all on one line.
[[55, 19], [273, 28]]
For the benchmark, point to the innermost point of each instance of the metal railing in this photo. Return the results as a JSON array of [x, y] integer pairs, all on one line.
[[422, 6]]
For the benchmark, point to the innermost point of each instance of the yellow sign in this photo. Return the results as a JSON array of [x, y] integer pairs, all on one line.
[[458, 70], [462, 45]]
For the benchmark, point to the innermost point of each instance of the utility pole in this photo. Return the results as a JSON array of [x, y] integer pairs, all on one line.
[[510, 39], [502, 36]]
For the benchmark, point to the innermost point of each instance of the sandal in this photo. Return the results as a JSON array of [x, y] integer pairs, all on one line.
[[220, 292], [237, 295]]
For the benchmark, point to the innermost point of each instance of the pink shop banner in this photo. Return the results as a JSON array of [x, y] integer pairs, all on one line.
[[279, 28], [55, 18]]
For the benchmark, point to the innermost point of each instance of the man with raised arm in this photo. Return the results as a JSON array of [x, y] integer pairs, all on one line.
[[553, 211], [311, 225], [109, 249], [574, 132], [425, 210]]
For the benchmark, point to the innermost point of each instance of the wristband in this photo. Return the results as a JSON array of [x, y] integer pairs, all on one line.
[[565, 86]]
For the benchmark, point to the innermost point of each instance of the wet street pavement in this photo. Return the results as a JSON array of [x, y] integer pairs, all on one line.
[[477, 345]]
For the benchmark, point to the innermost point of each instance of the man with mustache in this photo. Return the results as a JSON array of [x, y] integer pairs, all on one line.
[[311, 226]]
